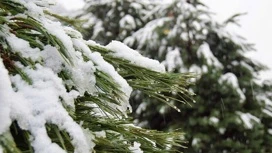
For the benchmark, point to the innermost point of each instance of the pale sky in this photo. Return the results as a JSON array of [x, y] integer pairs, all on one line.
[[256, 26]]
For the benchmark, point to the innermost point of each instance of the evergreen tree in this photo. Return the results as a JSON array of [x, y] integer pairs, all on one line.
[[113, 20], [61, 93], [233, 111]]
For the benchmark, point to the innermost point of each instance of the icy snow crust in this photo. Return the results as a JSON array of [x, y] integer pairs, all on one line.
[[45, 99]]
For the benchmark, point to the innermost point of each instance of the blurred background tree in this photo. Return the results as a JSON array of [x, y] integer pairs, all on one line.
[[233, 108]]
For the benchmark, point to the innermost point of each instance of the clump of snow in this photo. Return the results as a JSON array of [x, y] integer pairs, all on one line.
[[269, 131], [231, 79], [222, 130], [266, 111], [196, 69], [21, 46], [127, 22], [52, 58], [5, 94], [205, 52], [265, 99], [122, 51], [214, 120], [141, 108], [100, 134], [248, 119], [173, 60], [42, 101], [195, 141], [136, 148]]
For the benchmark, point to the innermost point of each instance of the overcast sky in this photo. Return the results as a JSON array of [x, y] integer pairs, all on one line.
[[256, 26]]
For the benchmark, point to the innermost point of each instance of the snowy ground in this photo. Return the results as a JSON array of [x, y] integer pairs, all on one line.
[[255, 26]]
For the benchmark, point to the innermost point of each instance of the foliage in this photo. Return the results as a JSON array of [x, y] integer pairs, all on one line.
[[61, 93], [233, 108]]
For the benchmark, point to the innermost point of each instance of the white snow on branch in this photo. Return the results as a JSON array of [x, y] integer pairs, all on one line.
[[6, 93], [231, 79], [214, 120], [266, 111], [269, 131], [21, 46], [248, 119], [43, 105], [120, 50], [104, 66], [205, 52], [127, 22], [136, 148], [173, 60], [265, 99], [147, 34]]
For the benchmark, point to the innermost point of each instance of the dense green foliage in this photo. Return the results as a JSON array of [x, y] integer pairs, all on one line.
[[42, 62], [232, 111]]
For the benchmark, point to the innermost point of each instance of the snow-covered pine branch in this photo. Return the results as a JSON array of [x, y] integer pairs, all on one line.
[[61, 93]]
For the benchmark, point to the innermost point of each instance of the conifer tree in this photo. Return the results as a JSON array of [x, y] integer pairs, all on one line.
[[233, 109], [61, 93]]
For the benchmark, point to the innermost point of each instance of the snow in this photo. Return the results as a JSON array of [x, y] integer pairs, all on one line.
[[5, 93], [205, 52], [231, 79], [100, 134], [195, 141], [269, 131], [21, 46], [136, 148], [52, 58], [146, 34], [222, 130], [141, 108], [214, 120], [120, 50], [105, 67], [265, 99], [43, 101], [248, 119], [173, 60], [55, 29], [42, 104], [269, 113], [98, 28], [127, 22]]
